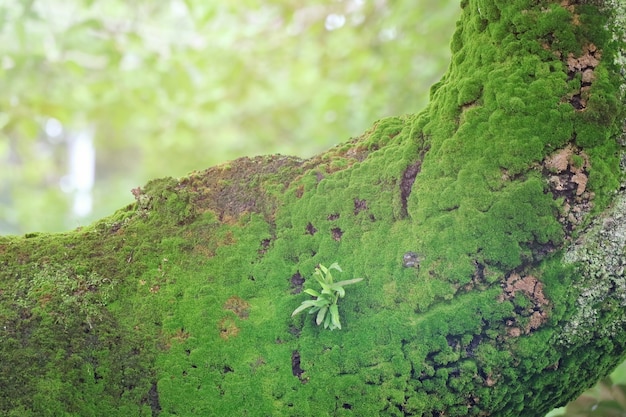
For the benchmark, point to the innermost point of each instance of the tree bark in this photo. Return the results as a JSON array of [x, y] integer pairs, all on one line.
[[490, 230]]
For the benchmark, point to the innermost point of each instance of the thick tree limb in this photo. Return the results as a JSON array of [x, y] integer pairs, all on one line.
[[489, 229]]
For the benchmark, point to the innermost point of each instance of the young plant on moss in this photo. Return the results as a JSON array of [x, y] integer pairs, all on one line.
[[325, 302]]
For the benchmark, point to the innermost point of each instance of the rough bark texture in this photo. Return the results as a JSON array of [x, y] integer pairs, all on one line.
[[490, 230]]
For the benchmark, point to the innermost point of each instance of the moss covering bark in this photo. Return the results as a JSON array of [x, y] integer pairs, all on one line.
[[457, 217]]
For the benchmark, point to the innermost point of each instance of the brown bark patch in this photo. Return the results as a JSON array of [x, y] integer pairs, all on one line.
[[296, 370], [567, 170], [359, 205], [236, 187], [310, 229], [152, 399], [570, 5], [296, 281], [532, 317], [583, 66], [265, 245], [528, 285], [406, 183]]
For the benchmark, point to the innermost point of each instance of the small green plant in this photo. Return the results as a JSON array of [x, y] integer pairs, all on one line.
[[326, 301]]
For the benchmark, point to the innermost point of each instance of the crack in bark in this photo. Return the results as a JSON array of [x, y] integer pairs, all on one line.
[[406, 184]]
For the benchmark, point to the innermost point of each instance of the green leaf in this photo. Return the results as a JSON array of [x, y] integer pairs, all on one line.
[[312, 292], [339, 289], [327, 322], [305, 304], [322, 302], [336, 266], [326, 288], [320, 315], [348, 282], [334, 314]]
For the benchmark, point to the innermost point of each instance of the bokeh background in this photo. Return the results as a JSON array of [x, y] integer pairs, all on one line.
[[99, 96]]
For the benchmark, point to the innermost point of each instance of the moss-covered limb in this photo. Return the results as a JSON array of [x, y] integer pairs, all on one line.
[[457, 218]]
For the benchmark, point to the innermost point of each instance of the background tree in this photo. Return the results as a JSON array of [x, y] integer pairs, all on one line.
[[489, 229]]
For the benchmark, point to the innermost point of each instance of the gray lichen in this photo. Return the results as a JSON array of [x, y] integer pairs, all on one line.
[[599, 257]]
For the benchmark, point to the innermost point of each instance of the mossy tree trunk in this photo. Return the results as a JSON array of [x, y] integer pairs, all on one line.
[[489, 230]]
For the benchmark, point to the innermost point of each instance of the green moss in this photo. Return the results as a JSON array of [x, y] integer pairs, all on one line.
[[469, 91]]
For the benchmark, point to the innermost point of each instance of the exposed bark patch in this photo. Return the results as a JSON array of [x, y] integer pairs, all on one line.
[[528, 285], [143, 200], [265, 245], [478, 277], [152, 399], [471, 347], [571, 6], [296, 370], [479, 271], [296, 281], [236, 187], [357, 153], [336, 233], [583, 67], [410, 260], [310, 229], [567, 171], [531, 317], [333, 216], [359, 206], [406, 183]]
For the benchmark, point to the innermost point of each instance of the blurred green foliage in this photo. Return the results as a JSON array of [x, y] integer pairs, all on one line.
[[177, 85]]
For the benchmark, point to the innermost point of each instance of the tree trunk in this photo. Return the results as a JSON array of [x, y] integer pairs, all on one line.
[[489, 230]]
